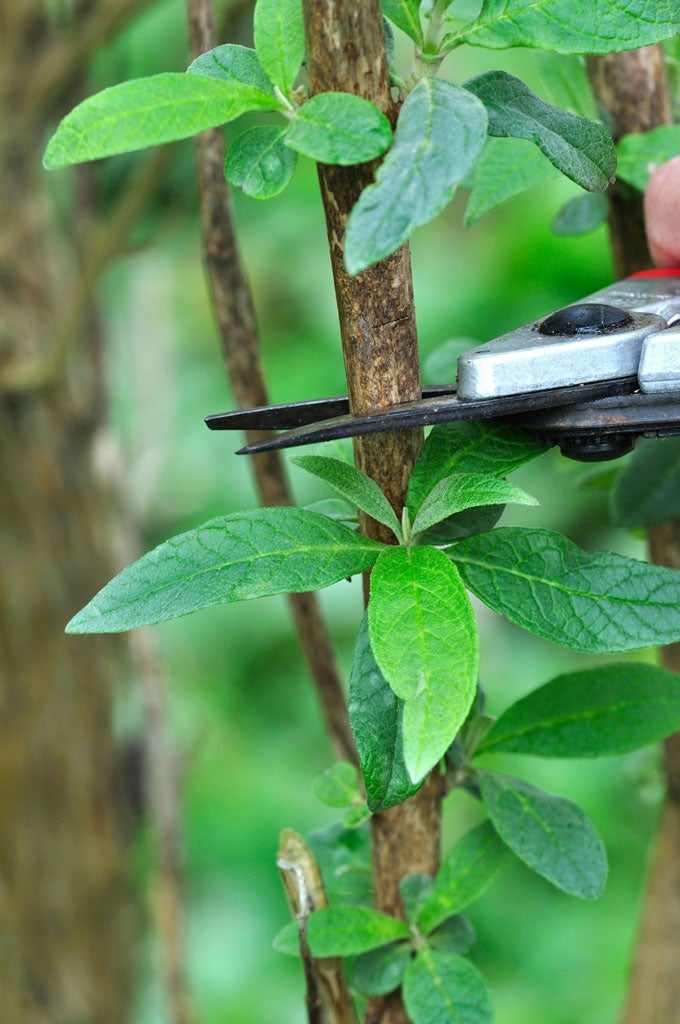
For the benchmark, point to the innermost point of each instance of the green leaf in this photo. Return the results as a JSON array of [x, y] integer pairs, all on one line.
[[579, 148], [473, 446], [640, 155], [550, 834], [339, 128], [233, 63], [441, 989], [338, 786], [280, 40], [334, 508], [349, 931], [647, 490], [405, 15], [464, 875], [233, 558], [597, 602], [570, 26], [440, 132], [424, 638], [147, 112], [461, 524], [352, 484], [581, 215], [455, 936], [466, 490], [601, 711], [380, 971], [259, 162], [375, 714], [507, 167]]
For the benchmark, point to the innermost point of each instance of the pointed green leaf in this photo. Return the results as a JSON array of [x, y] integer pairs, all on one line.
[[424, 638], [233, 63], [413, 890], [639, 155], [440, 132], [259, 162], [352, 484], [571, 26], [338, 786], [287, 940], [550, 834], [336, 509], [442, 989], [507, 167], [375, 714], [579, 148], [233, 558], [349, 931], [280, 40], [473, 446], [581, 215], [601, 711], [466, 490], [647, 490], [380, 971], [464, 875], [597, 602], [564, 82], [461, 524], [147, 112], [339, 128], [405, 15]]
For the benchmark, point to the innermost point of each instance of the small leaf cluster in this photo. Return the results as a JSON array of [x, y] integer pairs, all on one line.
[[492, 133]]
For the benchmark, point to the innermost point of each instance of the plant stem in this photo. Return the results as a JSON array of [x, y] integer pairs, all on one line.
[[238, 333], [633, 89], [345, 52]]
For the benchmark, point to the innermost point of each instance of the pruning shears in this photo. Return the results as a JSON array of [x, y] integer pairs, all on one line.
[[592, 378]]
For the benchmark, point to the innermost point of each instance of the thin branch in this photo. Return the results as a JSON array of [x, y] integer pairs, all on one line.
[[633, 90], [238, 332], [108, 242], [327, 994]]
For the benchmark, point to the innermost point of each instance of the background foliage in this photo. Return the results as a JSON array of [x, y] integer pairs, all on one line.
[[243, 712]]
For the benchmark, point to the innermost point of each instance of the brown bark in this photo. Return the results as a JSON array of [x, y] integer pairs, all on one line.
[[65, 912], [632, 89], [237, 325], [345, 52]]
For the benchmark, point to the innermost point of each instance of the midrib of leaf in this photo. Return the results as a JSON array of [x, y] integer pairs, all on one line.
[[530, 578], [528, 809], [437, 982], [550, 723], [155, 109], [470, 30], [247, 560]]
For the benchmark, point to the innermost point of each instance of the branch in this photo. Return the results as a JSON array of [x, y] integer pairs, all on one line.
[[632, 88], [327, 995], [238, 332], [345, 51]]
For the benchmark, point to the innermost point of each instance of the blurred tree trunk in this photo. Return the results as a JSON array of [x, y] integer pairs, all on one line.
[[65, 949]]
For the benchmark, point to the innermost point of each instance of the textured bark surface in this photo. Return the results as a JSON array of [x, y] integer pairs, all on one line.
[[65, 936], [632, 88], [345, 51]]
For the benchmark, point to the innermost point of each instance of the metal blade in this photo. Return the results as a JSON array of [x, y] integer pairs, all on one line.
[[444, 409], [296, 414]]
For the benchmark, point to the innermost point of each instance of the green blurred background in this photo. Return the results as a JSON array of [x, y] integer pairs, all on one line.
[[244, 717]]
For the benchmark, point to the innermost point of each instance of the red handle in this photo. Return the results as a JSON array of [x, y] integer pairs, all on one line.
[[670, 272]]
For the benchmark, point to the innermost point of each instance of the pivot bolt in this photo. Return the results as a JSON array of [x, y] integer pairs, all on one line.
[[585, 318]]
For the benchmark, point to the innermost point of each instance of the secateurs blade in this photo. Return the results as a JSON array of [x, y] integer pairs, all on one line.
[[591, 377]]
